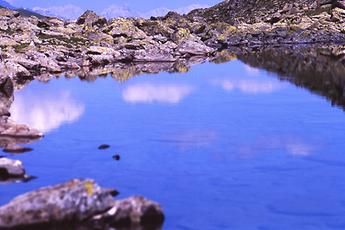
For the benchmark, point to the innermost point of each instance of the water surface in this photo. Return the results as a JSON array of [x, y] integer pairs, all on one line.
[[220, 147]]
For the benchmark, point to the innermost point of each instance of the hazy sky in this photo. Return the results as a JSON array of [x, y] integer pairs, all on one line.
[[143, 5], [71, 8]]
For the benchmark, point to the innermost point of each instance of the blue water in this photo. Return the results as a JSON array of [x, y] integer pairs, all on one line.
[[220, 147]]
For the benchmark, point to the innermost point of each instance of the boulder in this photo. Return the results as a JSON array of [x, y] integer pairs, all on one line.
[[13, 130], [14, 69], [78, 202], [193, 48], [155, 53], [91, 19], [122, 27], [8, 13], [11, 169], [134, 210]]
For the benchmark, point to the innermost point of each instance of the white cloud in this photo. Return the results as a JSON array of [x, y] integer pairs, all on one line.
[[67, 11], [11, 1], [187, 9], [249, 86], [115, 11], [150, 93], [70, 11], [163, 11], [46, 112]]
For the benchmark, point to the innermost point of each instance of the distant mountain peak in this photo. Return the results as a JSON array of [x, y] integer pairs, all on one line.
[[5, 4]]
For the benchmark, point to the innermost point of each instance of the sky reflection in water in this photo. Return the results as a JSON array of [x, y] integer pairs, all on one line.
[[148, 93], [221, 147], [46, 111]]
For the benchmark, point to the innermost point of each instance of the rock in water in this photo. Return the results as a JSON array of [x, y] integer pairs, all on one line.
[[103, 146], [11, 169], [131, 211], [79, 202], [75, 200]]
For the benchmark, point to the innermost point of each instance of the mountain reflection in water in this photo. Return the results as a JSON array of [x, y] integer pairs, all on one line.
[[320, 69]]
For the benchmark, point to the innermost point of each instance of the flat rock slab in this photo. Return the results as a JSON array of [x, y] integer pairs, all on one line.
[[79, 203]]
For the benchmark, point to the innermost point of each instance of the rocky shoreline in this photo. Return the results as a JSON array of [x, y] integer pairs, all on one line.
[[30, 47]]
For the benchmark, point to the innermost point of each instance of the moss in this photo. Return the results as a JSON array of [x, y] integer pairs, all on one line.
[[223, 30], [224, 56], [181, 34], [9, 31], [21, 47], [61, 40], [89, 188], [181, 67]]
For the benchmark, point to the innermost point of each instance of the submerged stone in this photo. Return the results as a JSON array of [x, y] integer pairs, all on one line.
[[117, 157], [103, 146]]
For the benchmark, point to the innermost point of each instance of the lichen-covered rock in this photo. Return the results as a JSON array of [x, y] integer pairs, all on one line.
[[122, 27], [10, 129], [75, 200], [80, 203], [8, 13], [189, 47], [91, 19], [134, 210], [11, 169]]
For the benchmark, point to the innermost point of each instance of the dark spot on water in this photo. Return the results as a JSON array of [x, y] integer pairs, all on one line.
[[117, 157], [104, 146], [17, 149]]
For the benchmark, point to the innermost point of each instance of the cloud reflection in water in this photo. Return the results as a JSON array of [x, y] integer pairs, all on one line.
[[249, 86], [150, 93], [291, 145], [46, 112]]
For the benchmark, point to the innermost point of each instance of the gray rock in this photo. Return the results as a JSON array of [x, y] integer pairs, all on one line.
[[131, 211], [11, 169], [194, 48], [6, 96], [79, 202], [90, 18], [10, 129]]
